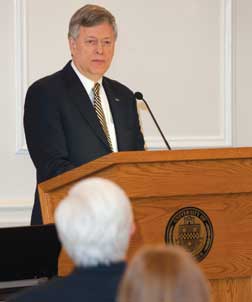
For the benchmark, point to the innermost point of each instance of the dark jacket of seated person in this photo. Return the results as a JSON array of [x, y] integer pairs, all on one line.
[[97, 283]]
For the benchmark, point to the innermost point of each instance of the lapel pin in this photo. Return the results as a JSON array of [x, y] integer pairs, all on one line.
[[117, 100]]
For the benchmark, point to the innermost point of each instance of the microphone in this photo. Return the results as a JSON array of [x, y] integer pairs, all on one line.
[[139, 96]]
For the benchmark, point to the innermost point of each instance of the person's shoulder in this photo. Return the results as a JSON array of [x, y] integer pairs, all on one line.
[[53, 81], [47, 81], [117, 86]]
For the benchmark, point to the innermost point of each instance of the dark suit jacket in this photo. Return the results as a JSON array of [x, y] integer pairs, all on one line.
[[97, 284], [62, 129]]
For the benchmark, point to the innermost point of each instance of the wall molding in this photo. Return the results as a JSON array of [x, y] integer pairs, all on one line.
[[225, 138], [156, 143], [228, 73], [21, 69], [15, 213]]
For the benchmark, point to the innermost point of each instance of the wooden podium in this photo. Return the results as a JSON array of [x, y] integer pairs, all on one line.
[[159, 183]]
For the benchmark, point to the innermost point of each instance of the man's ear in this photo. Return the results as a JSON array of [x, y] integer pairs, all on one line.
[[72, 43]]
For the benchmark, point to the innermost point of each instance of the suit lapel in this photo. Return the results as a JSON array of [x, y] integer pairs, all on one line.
[[79, 97]]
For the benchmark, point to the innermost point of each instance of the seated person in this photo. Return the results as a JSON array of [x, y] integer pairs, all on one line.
[[94, 223], [163, 274]]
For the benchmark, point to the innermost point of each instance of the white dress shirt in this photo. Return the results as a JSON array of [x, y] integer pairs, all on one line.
[[88, 85]]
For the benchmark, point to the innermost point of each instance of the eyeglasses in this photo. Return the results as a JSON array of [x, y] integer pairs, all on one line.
[[92, 42]]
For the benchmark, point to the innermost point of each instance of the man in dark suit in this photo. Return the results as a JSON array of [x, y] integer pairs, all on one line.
[[77, 115], [94, 223]]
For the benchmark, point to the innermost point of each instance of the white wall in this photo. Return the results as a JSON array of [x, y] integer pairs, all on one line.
[[17, 173], [242, 75], [191, 59]]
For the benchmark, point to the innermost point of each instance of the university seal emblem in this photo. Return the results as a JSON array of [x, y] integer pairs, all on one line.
[[191, 228]]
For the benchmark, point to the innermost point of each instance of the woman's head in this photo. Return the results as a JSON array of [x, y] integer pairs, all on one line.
[[163, 274]]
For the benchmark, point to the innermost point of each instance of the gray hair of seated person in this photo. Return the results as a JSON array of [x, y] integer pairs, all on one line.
[[94, 222], [163, 273], [89, 16]]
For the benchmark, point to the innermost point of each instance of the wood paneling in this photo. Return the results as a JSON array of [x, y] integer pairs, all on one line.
[[217, 181]]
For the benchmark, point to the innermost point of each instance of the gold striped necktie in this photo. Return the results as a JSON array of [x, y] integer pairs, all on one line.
[[100, 113]]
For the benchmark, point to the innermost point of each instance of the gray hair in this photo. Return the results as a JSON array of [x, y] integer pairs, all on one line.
[[88, 16], [94, 222]]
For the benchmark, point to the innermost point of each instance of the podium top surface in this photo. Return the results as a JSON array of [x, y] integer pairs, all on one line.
[[134, 157]]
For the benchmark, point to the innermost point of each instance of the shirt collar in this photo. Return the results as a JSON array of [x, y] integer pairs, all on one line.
[[87, 83]]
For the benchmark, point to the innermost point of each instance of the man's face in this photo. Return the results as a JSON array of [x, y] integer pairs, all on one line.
[[92, 51]]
